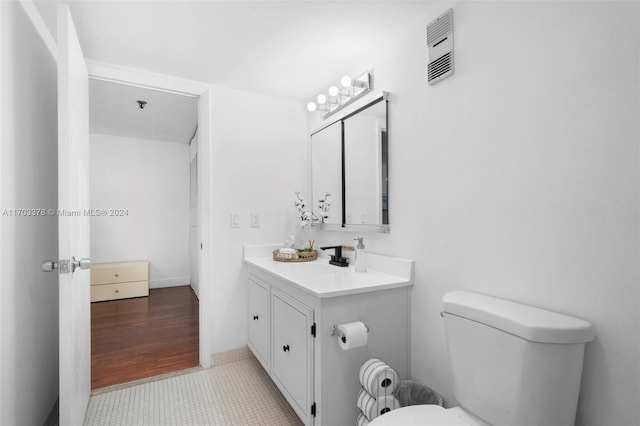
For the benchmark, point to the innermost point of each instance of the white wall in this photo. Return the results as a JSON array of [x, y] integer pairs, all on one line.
[[28, 165], [258, 149], [149, 179], [518, 177]]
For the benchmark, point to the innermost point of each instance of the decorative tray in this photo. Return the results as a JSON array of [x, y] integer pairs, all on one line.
[[301, 256]]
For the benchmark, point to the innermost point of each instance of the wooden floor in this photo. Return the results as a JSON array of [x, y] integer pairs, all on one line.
[[133, 339]]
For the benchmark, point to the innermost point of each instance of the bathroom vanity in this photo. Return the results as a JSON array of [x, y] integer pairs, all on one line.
[[292, 308]]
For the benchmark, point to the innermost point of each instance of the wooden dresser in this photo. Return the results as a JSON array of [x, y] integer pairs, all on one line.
[[120, 280]]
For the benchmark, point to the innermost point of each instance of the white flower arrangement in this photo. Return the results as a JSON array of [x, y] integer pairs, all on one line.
[[307, 217], [304, 216], [324, 206]]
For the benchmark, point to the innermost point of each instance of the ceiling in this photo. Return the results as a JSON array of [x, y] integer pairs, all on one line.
[[114, 110], [288, 49]]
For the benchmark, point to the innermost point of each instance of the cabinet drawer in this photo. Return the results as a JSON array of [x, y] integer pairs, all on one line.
[[119, 291], [107, 273]]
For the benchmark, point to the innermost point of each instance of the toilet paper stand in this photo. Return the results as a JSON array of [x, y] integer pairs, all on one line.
[[336, 331]]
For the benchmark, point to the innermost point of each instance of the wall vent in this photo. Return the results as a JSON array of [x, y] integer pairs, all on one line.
[[440, 42]]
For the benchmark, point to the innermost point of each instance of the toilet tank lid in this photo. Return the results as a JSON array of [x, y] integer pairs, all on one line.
[[527, 322]]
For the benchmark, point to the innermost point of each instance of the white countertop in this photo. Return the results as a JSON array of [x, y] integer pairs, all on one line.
[[321, 279]]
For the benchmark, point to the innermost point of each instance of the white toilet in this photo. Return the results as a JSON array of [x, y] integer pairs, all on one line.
[[510, 364]]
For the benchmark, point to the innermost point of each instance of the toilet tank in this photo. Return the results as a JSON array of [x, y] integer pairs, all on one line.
[[513, 364]]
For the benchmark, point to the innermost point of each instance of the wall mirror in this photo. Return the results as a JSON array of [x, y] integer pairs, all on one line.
[[349, 160], [326, 156]]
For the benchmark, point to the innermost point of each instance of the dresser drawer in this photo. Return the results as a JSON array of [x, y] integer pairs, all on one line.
[[109, 273], [119, 291]]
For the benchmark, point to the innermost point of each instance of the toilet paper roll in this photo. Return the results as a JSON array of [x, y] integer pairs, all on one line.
[[362, 420], [373, 407], [354, 335], [378, 378]]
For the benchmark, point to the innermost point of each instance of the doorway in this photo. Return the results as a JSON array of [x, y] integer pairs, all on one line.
[[143, 162]]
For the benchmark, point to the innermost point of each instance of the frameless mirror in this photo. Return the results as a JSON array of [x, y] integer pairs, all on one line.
[[349, 161], [326, 164]]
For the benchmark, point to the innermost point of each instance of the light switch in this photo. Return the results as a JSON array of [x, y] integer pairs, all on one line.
[[255, 220], [235, 220]]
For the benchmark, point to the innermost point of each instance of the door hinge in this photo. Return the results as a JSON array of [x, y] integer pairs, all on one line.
[[313, 409], [313, 330]]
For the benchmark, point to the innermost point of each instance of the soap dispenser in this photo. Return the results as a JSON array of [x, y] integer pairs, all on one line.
[[361, 256]]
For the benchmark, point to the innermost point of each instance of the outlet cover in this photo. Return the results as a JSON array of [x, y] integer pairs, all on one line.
[[255, 220]]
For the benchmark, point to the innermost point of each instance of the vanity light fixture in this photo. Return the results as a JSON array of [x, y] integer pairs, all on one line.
[[338, 98]]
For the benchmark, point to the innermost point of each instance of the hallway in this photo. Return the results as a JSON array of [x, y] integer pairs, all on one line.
[[137, 338]]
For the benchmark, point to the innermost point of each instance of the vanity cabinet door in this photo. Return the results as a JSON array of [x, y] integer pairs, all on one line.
[[293, 352], [259, 322]]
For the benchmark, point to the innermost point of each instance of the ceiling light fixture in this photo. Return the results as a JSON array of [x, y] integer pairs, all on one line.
[[352, 89], [141, 104]]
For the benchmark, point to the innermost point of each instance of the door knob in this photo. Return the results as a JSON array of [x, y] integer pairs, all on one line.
[[63, 265], [48, 265], [255, 317], [285, 348], [83, 263]]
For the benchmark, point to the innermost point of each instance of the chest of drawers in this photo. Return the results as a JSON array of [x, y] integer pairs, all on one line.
[[120, 280]]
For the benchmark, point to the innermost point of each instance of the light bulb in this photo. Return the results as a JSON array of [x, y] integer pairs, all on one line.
[[345, 81], [311, 106], [333, 91], [322, 99]]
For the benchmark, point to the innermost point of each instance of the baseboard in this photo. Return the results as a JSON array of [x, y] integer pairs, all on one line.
[[195, 291], [232, 355], [170, 282]]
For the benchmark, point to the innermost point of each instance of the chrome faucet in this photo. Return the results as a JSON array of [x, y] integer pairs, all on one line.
[[336, 258]]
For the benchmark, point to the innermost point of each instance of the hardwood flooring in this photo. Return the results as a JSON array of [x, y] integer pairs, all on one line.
[[133, 339]]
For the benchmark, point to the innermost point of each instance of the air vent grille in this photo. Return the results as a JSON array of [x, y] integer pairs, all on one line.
[[439, 28], [440, 44], [439, 67]]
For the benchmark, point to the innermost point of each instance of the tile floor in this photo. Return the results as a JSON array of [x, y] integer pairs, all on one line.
[[236, 393]]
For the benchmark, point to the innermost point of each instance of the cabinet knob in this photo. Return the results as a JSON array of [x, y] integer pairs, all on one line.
[[255, 317], [285, 348]]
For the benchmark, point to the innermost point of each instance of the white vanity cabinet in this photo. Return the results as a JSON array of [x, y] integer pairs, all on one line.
[[294, 343], [260, 321], [291, 325], [280, 337]]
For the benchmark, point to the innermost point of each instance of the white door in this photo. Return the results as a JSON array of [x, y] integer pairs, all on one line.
[[73, 223]]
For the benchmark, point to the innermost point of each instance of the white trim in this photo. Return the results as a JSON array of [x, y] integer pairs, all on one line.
[[131, 76], [170, 282], [42, 29], [3, 29]]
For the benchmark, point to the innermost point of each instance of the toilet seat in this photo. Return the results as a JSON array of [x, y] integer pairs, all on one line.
[[423, 415]]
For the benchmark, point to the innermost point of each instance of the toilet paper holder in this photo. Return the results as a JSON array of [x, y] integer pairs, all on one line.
[[336, 331]]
